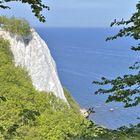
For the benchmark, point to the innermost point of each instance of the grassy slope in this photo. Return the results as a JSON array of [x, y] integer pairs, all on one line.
[[73, 104]]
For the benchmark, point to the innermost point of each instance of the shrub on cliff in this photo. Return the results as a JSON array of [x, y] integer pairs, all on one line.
[[14, 25]]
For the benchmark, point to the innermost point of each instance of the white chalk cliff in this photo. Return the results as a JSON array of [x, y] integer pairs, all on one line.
[[33, 54]]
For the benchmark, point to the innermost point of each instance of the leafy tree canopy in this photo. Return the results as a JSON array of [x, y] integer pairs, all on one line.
[[126, 88], [37, 7]]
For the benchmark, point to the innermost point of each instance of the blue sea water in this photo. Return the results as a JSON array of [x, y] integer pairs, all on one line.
[[82, 55]]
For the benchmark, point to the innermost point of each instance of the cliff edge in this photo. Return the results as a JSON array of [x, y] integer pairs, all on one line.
[[33, 54]]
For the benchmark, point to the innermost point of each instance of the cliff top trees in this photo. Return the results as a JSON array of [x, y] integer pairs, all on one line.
[[125, 89], [36, 5]]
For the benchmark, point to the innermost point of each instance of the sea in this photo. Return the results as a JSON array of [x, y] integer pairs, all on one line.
[[82, 56]]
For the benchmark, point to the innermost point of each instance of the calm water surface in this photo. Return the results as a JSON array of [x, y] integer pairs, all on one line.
[[82, 55]]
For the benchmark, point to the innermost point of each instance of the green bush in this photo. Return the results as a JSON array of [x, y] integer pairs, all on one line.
[[16, 26], [73, 104]]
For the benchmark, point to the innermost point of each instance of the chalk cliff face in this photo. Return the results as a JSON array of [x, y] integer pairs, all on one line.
[[33, 54]]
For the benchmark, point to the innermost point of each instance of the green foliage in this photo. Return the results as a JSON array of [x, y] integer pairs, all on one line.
[[37, 7], [16, 26], [123, 133], [31, 115], [126, 88], [73, 104]]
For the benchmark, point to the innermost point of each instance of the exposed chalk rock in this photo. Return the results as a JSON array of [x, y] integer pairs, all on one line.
[[84, 112], [33, 54]]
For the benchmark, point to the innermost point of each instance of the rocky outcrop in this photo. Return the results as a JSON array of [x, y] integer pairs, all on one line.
[[33, 54]]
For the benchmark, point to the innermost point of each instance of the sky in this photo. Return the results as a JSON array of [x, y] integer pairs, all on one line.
[[76, 13]]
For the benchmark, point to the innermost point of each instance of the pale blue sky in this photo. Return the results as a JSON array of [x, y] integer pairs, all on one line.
[[76, 13]]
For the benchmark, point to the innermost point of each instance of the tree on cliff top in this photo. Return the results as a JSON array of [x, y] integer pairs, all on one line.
[[37, 7], [126, 88]]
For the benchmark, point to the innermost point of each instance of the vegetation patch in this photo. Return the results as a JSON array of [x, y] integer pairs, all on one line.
[[14, 25], [73, 104]]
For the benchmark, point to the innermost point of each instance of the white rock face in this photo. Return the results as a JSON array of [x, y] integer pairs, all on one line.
[[84, 112], [34, 55]]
